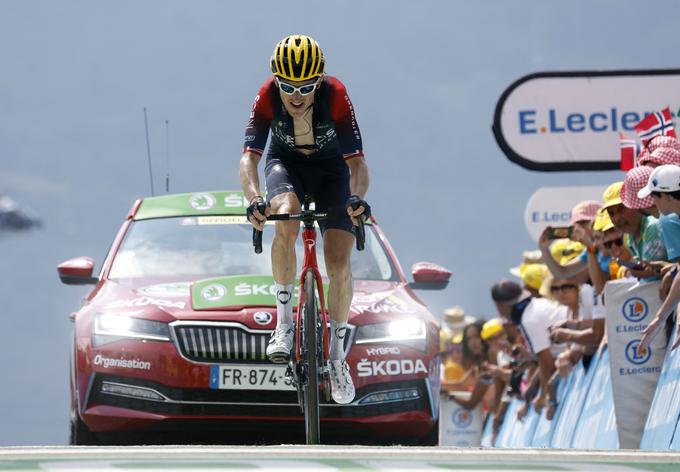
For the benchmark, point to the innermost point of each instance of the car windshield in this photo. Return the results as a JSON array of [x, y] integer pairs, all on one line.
[[215, 246]]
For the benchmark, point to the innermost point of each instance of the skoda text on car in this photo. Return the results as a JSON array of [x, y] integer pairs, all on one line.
[[172, 337]]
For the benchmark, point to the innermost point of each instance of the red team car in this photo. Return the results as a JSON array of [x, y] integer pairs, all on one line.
[[171, 341]]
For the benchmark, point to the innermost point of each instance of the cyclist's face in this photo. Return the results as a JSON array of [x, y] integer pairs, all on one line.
[[297, 104]]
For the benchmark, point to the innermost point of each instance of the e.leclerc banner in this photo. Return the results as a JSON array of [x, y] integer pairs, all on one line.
[[554, 121], [631, 305], [551, 206]]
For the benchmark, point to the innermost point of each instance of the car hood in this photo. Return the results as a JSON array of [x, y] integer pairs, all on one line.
[[232, 297]]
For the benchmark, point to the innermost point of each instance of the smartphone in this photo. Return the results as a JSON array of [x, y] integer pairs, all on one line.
[[632, 265], [560, 232]]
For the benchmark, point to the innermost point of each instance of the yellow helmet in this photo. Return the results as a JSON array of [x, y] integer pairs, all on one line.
[[297, 58]]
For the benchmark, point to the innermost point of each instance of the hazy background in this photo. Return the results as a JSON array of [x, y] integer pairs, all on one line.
[[424, 78]]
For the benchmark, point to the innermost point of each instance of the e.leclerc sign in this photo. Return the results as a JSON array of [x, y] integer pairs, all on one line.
[[554, 121], [551, 206]]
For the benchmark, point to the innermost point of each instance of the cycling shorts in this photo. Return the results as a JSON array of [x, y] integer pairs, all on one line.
[[326, 181]]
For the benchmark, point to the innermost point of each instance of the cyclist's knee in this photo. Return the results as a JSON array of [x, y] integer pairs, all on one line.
[[285, 203]]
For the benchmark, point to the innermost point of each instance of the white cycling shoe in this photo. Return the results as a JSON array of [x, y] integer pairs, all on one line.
[[342, 387], [280, 344]]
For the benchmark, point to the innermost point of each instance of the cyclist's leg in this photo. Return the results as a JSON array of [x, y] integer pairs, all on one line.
[[338, 242], [338, 245], [337, 248], [285, 235], [338, 233], [282, 194]]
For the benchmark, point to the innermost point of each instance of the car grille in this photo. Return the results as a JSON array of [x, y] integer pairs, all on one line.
[[219, 341], [211, 342]]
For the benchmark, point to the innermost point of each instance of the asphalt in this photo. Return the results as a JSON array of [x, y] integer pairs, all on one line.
[[322, 458]]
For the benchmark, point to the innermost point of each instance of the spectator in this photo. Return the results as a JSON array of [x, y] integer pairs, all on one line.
[[473, 355], [636, 179], [533, 316], [612, 241], [532, 275], [664, 188], [660, 150], [496, 339], [584, 326], [474, 348], [452, 361], [582, 216], [454, 320], [493, 371], [643, 238]]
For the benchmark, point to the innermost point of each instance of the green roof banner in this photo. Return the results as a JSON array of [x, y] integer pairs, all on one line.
[[236, 291], [229, 202]]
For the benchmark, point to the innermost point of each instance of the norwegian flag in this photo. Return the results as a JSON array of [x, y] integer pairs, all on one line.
[[659, 123], [630, 150]]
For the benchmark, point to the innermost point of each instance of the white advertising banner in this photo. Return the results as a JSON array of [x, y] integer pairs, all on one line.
[[551, 206], [572, 120], [459, 426], [630, 307]]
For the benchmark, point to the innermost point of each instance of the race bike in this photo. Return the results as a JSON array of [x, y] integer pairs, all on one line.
[[308, 367]]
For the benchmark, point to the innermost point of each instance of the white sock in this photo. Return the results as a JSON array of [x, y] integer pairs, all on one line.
[[338, 333], [284, 305]]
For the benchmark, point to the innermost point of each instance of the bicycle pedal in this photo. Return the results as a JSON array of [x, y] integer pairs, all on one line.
[[279, 358]]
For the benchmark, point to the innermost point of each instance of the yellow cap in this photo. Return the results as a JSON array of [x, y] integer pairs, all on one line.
[[533, 274], [564, 250], [602, 221], [491, 328], [612, 196]]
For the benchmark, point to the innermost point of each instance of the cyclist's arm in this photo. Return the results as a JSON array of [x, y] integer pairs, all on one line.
[[256, 133], [250, 181], [359, 178]]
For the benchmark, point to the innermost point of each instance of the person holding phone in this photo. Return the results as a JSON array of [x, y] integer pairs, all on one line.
[[631, 215], [582, 217]]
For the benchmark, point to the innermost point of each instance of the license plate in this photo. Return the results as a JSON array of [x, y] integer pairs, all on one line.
[[249, 377]]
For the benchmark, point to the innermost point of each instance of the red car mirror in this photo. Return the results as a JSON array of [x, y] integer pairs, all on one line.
[[77, 271], [429, 276]]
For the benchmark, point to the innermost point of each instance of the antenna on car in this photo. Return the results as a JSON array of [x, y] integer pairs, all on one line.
[[148, 150], [167, 156]]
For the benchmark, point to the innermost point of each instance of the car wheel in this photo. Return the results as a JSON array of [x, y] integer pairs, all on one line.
[[79, 435]]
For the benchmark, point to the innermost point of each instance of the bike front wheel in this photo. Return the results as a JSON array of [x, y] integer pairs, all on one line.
[[310, 319]]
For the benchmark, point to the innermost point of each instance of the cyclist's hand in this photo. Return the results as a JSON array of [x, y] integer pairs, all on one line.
[[257, 213], [355, 207]]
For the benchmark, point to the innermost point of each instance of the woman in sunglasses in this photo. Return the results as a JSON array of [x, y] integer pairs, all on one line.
[[315, 150]]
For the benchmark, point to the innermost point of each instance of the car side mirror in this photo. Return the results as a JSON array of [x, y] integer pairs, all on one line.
[[429, 276], [77, 271]]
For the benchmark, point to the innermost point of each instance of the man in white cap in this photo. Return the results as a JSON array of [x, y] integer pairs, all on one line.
[[664, 188]]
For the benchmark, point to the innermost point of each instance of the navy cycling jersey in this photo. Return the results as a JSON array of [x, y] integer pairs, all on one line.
[[336, 133]]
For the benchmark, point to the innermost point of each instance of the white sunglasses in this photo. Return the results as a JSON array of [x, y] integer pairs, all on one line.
[[303, 89]]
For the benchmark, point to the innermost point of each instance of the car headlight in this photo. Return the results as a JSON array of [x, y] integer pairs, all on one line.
[[109, 328], [410, 331]]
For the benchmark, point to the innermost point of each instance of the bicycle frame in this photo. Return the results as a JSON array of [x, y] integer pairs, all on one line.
[[309, 236]]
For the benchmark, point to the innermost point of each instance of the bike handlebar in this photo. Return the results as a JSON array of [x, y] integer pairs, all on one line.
[[308, 217]]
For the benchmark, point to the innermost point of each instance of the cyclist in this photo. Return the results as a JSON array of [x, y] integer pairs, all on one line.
[[315, 150]]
